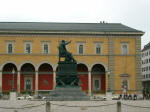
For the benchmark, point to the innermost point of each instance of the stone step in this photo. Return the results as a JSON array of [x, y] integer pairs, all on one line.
[[69, 98], [68, 94]]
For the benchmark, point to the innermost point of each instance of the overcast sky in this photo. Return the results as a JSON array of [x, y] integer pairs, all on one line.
[[133, 13]]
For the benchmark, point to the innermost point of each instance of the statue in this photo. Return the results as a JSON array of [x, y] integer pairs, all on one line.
[[64, 53], [67, 80], [67, 68]]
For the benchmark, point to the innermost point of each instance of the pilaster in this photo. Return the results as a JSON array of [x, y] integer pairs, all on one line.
[[138, 65], [111, 63]]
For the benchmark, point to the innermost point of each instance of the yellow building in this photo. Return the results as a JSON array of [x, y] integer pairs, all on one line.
[[108, 56]]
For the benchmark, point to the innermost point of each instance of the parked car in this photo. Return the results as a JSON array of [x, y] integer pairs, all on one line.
[[45, 97], [27, 97], [21, 98], [115, 97], [99, 98]]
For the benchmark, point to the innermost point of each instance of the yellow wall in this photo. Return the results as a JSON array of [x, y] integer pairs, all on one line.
[[123, 64]]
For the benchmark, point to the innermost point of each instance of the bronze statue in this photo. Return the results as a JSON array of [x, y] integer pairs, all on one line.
[[64, 53], [67, 68]]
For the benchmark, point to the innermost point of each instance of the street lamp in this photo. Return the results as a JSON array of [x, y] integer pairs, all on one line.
[[108, 89], [13, 89]]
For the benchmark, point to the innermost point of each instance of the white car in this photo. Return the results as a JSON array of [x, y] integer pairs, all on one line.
[[21, 98], [45, 97], [115, 97], [28, 97]]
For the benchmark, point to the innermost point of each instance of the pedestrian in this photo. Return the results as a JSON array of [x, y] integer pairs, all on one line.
[[120, 97], [135, 96], [144, 95], [130, 97]]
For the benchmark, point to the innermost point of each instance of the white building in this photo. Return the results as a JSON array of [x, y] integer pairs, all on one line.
[[146, 67]]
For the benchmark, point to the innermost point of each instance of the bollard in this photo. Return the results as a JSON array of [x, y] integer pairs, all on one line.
[[48, 107], [118, 106]]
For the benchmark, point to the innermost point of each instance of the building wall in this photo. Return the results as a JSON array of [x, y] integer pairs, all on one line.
[[121, 63]]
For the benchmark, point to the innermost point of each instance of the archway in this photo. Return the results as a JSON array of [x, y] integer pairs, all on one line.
[[83, 76], [27, 78], [98, 79], [45, 81], [7, 77]]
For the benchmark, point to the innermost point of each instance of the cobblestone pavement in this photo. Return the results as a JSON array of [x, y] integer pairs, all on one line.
[[74, 106]]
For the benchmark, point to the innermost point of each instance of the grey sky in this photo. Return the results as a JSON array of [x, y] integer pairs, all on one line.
[[133, 13]]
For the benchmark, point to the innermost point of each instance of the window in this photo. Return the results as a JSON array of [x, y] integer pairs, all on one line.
[[80, 48], [124, 48], [146, 60], [146, 75], [28, 47], [96, 85], [142, 54], [98, 48], [10, 47], [45, 48]]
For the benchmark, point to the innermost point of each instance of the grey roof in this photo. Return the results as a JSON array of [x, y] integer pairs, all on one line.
[[69, 27], [146, 47]]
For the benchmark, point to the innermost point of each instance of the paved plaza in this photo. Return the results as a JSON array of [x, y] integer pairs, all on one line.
[[74, 106]]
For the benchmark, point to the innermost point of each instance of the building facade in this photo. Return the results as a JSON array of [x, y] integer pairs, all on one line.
[[108, 56], [146, 67]]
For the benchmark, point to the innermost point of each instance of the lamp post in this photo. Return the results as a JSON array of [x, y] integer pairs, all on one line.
[[108, 89], [13, 73]]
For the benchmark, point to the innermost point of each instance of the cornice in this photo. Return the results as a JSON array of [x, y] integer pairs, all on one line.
[[69, 33]]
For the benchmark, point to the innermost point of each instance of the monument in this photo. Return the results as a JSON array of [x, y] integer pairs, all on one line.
[[67, 80]]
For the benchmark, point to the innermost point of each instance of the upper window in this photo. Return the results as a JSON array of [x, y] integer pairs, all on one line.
[[28, 48], [45, 48], [81, 48], [124, 48], [10, 47], [98, 48]]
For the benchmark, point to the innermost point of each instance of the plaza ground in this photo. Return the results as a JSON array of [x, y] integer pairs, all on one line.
[[75, 106]]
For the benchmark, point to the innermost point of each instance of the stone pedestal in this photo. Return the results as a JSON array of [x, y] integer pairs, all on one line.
[[13, 96], [68, 94], [109, 95]]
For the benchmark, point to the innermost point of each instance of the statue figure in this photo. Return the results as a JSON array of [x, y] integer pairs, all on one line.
[[64, 53]]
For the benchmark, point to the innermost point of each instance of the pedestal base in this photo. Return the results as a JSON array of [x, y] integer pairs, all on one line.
[[13, 96], [68, 94], [109, 95]]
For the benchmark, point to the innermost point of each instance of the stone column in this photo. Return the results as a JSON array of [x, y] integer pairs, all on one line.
[[89, 83], [18, 82], [0, 81], [36, 82], [54, 79]]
